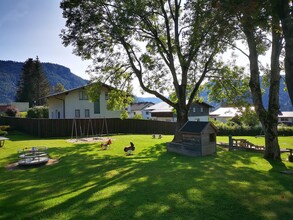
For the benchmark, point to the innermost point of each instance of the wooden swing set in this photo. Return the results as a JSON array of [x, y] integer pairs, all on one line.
[[83, 128]]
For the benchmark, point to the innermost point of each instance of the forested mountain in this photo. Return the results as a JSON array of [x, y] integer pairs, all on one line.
[[11, 71], [285, 103]]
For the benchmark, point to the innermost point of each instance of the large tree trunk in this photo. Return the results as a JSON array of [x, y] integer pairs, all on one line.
[[287, 25], [272, 149], [268, 118], [182, 118]]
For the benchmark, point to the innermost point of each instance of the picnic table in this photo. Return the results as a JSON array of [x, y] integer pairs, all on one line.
[[2, 141]]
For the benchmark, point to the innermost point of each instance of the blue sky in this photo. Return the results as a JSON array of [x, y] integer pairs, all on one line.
[[30, 28]]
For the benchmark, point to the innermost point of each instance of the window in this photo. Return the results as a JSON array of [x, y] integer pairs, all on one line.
[[77, 113], [106, 96], [193, 109], [83, 95], [87, 113], [201, 109], [97, 107]]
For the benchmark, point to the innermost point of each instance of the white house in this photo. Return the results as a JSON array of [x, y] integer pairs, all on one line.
[[223, 114], [286, 118], [75, 103], [162, 112], [199, 111], [139, 108]]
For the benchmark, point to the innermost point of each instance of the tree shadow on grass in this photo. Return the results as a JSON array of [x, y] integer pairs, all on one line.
[[151, 184]]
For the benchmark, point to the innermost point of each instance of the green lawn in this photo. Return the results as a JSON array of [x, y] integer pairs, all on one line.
[[89, 183]]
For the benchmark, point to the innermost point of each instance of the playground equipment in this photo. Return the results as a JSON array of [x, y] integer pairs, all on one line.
[[84, 128], [106, 146], [2, 141], [129, 149], [33, 156]]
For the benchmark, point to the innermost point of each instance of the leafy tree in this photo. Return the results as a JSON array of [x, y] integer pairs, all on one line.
[[249, 117], [33, 85], [137, 116], [230, 87], [255, 19], [169, 46], [58, 88]]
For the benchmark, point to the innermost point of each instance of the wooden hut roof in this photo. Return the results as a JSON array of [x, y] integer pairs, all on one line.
[[196, 126]]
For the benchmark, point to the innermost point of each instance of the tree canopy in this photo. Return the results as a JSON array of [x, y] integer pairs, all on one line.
[[256, 20], [169, 46]]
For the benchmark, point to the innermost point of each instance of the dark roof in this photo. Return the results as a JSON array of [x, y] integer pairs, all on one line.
[[195, 126], [77, 88], [202, 103]]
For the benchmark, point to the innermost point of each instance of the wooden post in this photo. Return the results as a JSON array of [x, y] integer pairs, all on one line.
[[230, 142]]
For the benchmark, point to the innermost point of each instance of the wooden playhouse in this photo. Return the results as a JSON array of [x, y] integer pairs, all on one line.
[[198, 139]]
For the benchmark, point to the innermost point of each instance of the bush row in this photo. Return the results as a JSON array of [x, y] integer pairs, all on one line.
[[225, 130]]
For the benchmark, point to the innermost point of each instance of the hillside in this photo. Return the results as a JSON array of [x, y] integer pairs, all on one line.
[[285, 103], [10, 72]]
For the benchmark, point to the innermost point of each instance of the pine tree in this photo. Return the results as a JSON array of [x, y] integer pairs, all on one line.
[[33, 85], [41, 84], [24, 92]]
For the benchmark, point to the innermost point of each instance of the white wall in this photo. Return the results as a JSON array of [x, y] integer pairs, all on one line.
[[55, 107], [72, 103], [21, 106]]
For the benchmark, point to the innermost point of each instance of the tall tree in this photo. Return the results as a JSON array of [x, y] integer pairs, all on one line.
[[255, 20], [284, 9], [169, 46], [33, 85], [24, 91], [41, 86]]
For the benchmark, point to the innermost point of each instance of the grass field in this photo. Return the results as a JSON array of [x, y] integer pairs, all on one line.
[[90, 183]]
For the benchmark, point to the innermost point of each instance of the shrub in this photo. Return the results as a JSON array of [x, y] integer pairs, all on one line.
[[22, 114], [11, 111], [2, 130], [284, 130], [137, 116], [38, 112], [231, 128]]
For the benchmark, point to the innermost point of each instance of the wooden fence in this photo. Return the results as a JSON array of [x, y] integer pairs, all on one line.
[[87, 127]]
